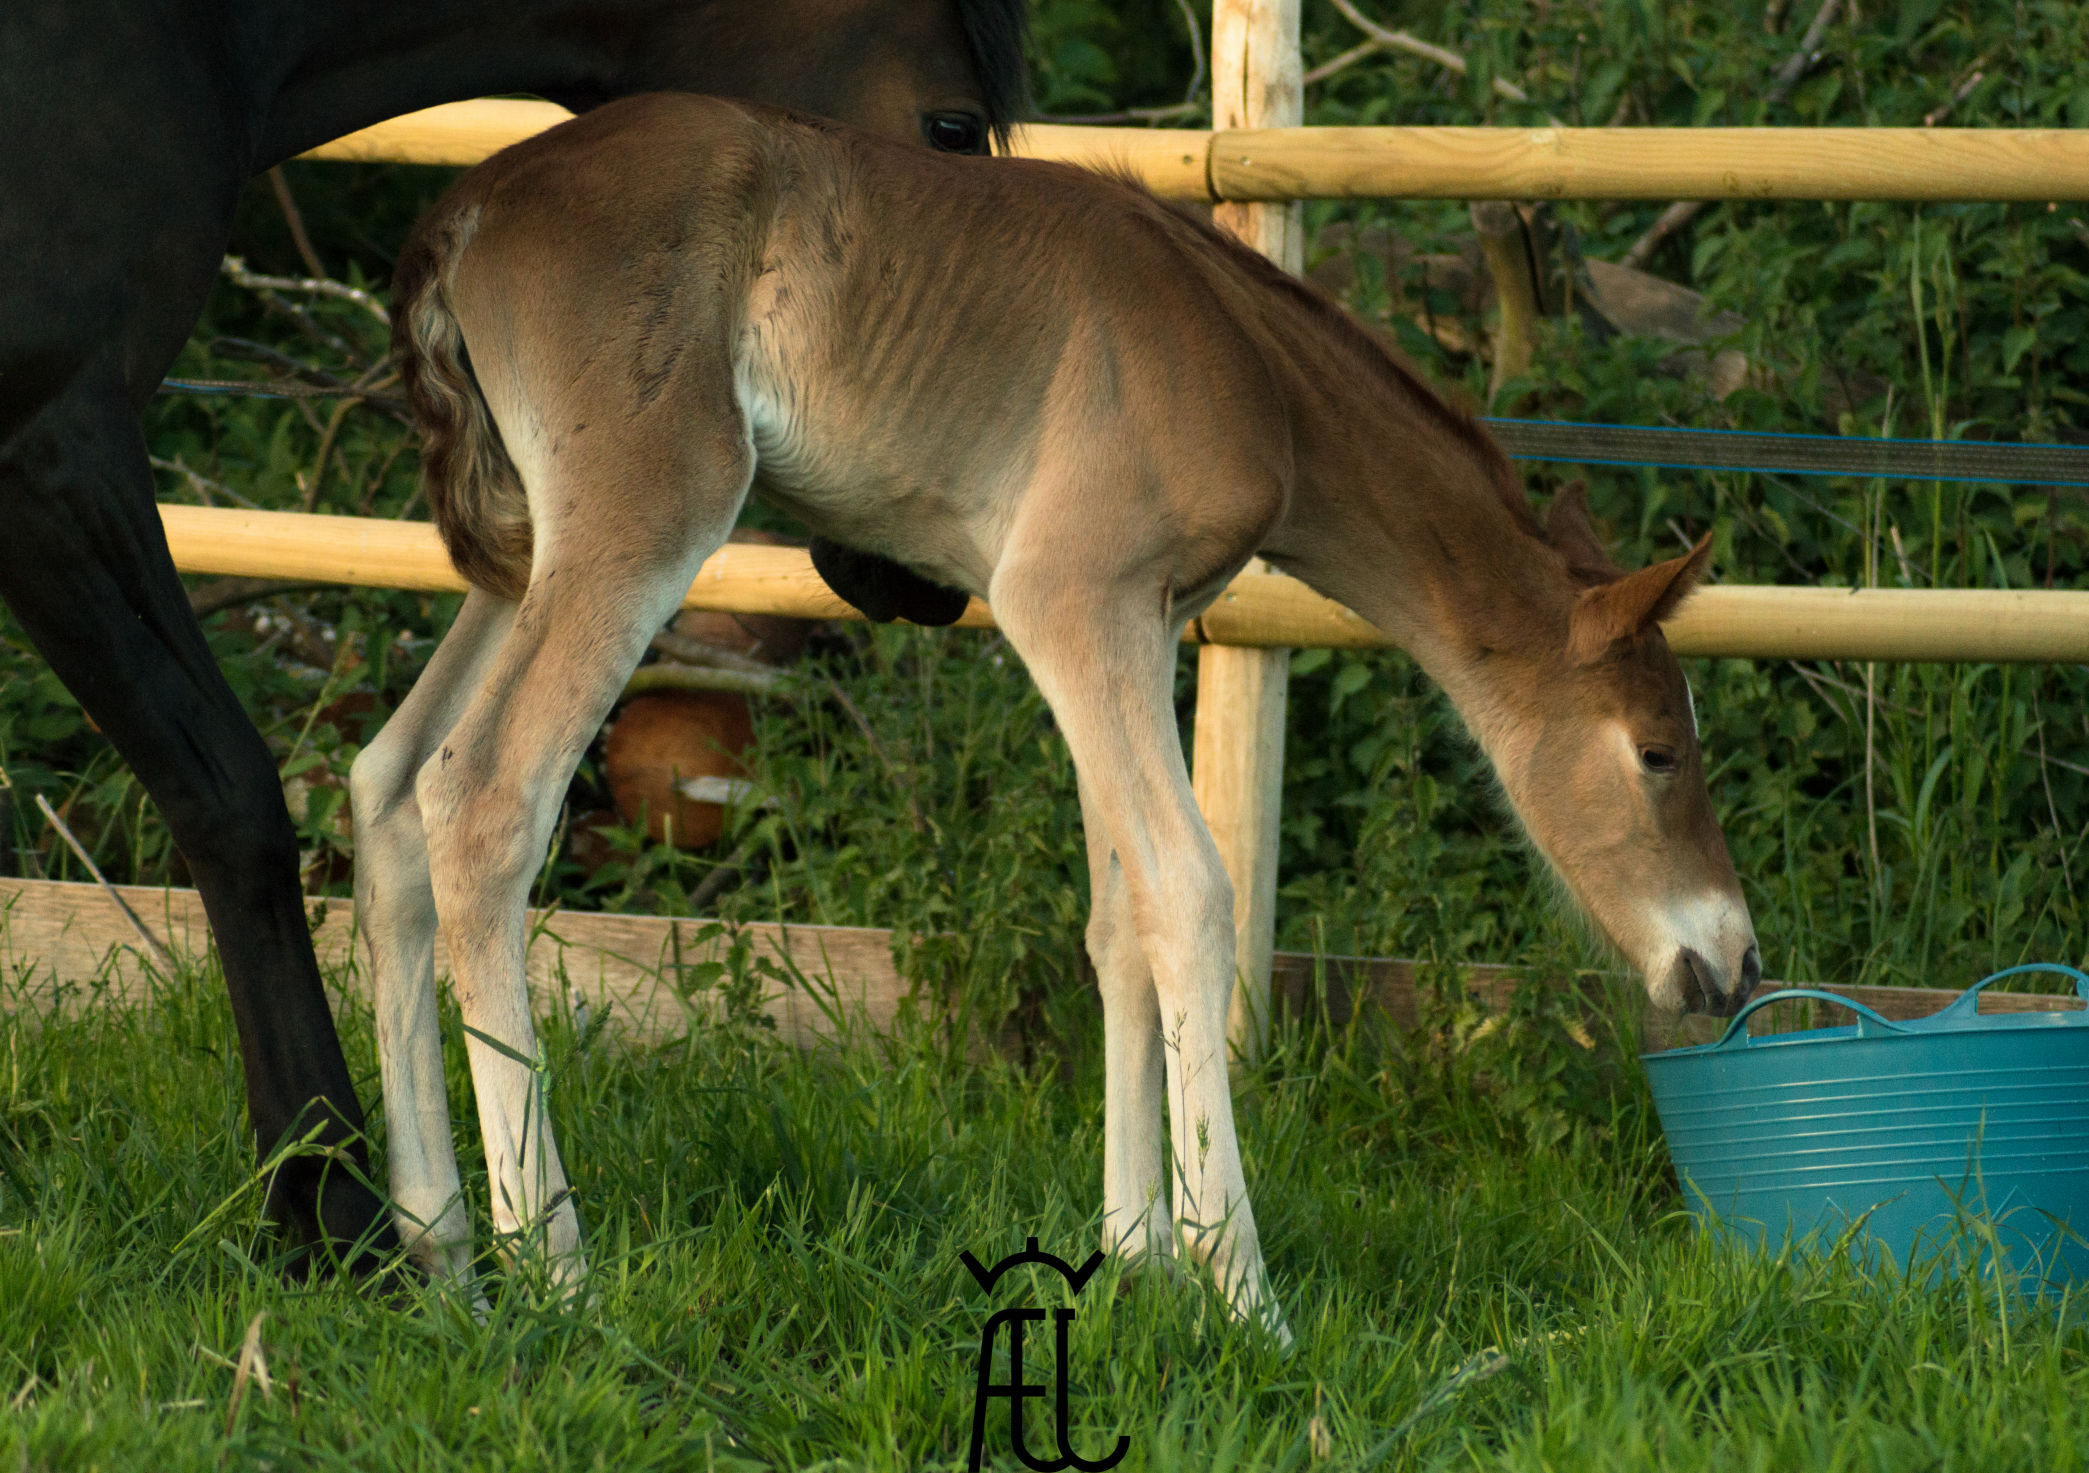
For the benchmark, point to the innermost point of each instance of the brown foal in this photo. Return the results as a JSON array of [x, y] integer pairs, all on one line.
[[1019, 379]]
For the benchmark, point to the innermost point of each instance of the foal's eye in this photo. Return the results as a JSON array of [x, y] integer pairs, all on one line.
[[954, 132], [1657, 759]]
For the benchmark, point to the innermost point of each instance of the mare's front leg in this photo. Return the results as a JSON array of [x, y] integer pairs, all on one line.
[[1103, 656], [84, 566], [127, 143]]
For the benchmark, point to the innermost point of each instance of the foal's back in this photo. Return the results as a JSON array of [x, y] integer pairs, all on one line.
[[914, 343]]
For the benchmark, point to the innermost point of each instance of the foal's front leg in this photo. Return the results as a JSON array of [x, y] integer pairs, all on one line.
[[1135, 1222], [1106, 665]]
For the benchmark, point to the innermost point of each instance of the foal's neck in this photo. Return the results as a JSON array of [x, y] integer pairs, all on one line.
[[1404, 509]]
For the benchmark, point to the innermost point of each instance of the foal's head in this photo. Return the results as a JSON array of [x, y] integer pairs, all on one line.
[[1594, 735]]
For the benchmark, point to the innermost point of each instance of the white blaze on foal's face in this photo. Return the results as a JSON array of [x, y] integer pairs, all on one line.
[[1681, 917], [1603, 766]]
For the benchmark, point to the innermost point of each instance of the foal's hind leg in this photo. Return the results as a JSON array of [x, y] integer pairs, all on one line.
[[1105, 661], [489, 797], [395, 910]]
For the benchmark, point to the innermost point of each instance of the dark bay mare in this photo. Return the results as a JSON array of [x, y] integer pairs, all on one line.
[[1032, 383], [127, 130]]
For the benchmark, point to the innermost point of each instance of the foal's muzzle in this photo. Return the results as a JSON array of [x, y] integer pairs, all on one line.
[[1704, 990]]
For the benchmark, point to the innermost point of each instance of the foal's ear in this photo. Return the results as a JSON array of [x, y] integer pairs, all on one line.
[[1573, 536], [1627, 607]]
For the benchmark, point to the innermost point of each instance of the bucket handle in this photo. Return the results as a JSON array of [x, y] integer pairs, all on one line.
[[1869, 1023], [1968, 1002]]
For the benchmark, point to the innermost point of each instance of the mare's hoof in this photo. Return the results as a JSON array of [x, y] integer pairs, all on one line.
[[350, 1230]]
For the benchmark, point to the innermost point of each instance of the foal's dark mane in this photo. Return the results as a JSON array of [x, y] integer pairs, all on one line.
[[1390, 365], [995, 30]]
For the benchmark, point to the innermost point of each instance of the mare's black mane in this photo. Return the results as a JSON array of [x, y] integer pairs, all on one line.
[[996, 30]]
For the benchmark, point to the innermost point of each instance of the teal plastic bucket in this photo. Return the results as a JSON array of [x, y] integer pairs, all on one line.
[[1898, 1130]]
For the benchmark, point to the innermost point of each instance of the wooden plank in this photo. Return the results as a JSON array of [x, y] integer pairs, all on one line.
[[1237, 774], [1175, 163], [1393, 986], [2020, 164], [455, 133], [1738, 621], [65, 945], [1259, 609], [741, 578], [2000, 625], [1237, 765], [1281, 163]]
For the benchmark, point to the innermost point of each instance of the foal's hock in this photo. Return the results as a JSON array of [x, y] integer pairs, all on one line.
[[1034, 384]]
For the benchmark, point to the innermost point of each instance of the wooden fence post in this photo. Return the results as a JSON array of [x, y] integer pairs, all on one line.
[[1238, 763]]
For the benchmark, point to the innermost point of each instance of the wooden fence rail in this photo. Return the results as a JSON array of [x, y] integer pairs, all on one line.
[[2020, 164], [1258, 610]]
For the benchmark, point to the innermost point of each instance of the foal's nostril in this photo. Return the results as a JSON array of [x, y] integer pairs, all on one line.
[[1751, 973], [1698, 992]]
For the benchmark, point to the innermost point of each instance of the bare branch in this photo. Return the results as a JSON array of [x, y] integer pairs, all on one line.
[[1343, 62], [203, 485], [152, 942], [900, 780], [295, 219], [1682, 212], [722, 874], [1943, 110], [1670, 220], [220, 594], [1800, 62], [687, 651], [1189, 19], [312, 286], [1414, 45], [666, 676]]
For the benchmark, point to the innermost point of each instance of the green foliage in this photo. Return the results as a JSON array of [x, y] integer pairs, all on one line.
[[1907, 824], [1947, 321]]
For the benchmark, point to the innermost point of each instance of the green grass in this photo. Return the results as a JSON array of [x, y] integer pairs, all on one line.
[[776, 1235]]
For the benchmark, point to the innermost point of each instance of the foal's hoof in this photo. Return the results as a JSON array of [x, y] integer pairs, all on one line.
[[1156, 1265], [1263, 1313]]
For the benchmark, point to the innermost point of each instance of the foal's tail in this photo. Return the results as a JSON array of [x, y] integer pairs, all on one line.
[[473, 488]]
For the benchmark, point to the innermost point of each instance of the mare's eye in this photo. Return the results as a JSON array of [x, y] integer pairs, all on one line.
[[954, 132], [1657, 759]]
